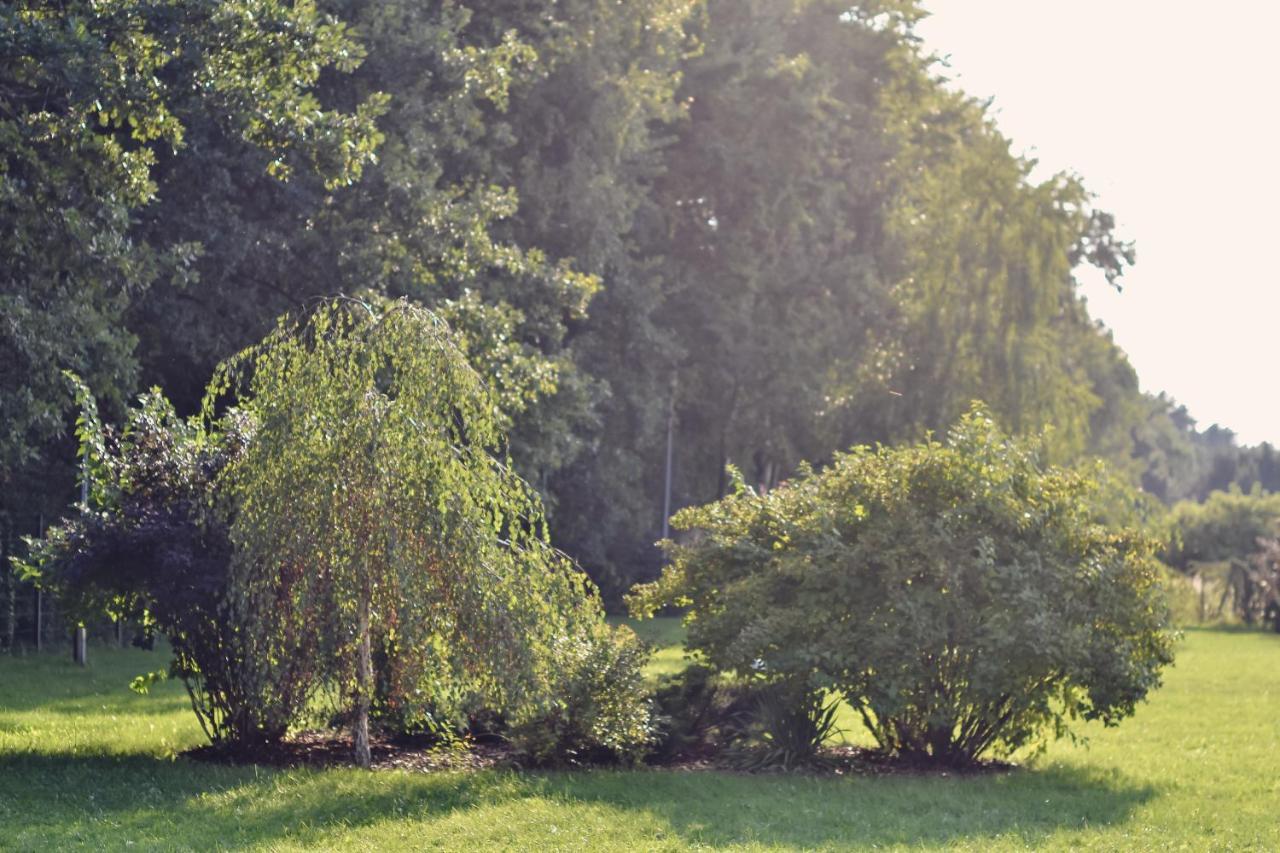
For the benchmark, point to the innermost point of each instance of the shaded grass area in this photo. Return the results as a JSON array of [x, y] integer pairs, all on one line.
[[84, 763]]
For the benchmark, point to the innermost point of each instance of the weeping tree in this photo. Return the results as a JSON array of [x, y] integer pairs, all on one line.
[[378, 521]]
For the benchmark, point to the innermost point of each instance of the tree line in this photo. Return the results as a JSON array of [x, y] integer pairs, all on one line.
[[724, 232]]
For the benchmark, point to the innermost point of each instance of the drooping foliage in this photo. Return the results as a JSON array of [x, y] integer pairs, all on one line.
[[375, 516], [960, 595], [349, 527]]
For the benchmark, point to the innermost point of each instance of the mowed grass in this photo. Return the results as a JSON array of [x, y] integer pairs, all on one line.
[[86, 764]]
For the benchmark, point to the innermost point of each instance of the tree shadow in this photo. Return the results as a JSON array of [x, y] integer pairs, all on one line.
[[798, 811], [61, 800], [58, 801]]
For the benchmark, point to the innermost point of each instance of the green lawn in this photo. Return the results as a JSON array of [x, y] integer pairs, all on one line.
[[85, 763]]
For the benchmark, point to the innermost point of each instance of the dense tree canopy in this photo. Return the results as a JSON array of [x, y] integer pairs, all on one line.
[[769, 230], [93, 98]]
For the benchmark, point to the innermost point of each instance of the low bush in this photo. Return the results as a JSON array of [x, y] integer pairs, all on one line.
[[961, 596], [696, 712], [598, 710], [152, 545], [785, 729]]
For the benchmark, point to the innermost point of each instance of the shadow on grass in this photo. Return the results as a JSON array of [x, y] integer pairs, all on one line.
[[867, 811], [55, 801]]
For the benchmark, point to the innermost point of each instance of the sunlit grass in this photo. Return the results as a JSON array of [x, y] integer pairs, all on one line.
[[86, 764], [666, 636]]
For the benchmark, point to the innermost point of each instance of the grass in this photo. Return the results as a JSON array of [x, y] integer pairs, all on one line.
[[666, 636], [85, 764]]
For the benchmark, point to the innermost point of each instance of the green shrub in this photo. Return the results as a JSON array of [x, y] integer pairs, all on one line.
[[696, 712], [599, 710], [153, 546], [350, 534], [961, 596], [785, 729]]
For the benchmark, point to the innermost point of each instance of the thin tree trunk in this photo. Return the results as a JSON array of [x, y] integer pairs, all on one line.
[[364, 687]]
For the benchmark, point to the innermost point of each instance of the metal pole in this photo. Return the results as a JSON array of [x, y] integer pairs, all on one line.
[[40, 596], [666, 491], [79, 645]]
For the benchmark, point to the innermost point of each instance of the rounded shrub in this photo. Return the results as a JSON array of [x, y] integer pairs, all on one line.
[[597, 710], [962, 597]]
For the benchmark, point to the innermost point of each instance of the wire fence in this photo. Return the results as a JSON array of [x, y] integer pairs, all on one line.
[[30, 618]]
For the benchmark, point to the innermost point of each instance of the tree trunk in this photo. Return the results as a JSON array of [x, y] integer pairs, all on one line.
[[364, 687]]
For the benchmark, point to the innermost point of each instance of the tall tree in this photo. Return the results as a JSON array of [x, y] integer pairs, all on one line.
[[92, 97], [371, 483]]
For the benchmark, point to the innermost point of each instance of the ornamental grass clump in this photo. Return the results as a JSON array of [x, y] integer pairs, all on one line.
[[964, 598]]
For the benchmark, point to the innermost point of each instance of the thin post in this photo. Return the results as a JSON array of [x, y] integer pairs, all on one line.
[[671, 430], [40, 596], [10, 578], [79, 646]]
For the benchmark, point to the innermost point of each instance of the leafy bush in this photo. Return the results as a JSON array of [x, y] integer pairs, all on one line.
[[152, 545], [599, 707], [961, 596], [696, 711], [785, 729], [348, 533]]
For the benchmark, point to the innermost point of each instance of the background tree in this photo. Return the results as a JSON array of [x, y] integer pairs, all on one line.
[[775, 227], [1226, 526], [92, 97]]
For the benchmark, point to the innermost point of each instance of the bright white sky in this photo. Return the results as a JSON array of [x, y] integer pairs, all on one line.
[[1170, 111]]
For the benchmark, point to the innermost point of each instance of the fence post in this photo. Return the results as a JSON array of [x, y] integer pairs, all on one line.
[[7, 605], [78, 646]]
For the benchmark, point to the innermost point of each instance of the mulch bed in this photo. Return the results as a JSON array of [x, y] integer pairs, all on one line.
[[852, 760], [331, 749], [322, 749]]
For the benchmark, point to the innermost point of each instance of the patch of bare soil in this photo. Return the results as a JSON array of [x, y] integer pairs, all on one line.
[[852, 760], [332, 749]]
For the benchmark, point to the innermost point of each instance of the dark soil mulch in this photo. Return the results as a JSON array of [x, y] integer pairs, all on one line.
[[331, 749], [334, 749], [848, 760]]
